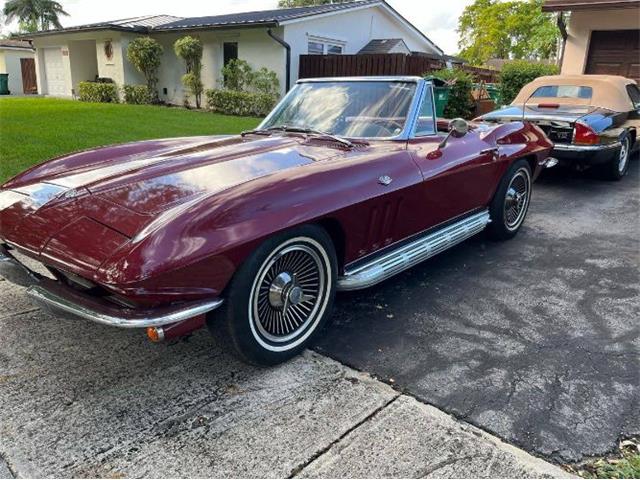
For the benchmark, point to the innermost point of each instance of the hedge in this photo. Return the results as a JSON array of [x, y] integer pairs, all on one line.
[[98, 92], [136, 94], [246, 104], [517, 74]]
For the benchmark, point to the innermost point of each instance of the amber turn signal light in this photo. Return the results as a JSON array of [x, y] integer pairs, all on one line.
[[155, 334]]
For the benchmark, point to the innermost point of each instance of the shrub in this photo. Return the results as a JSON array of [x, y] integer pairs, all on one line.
[[237, 75], [136, 94], [517, 74], [460, 103], [190, 50], [232, 102], [98, 92], [145, 54], [265, 81]]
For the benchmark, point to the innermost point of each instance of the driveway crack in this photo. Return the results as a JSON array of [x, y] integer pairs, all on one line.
[[297, 470]]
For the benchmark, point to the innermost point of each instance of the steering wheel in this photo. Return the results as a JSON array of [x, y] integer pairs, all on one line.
[[388, 125]]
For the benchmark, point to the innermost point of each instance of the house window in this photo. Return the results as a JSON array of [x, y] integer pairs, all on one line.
[[315, 48], [320, 47], [229, 51]]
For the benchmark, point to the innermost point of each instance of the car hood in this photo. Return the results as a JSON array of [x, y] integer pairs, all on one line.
[[166, 171], [112, 193]]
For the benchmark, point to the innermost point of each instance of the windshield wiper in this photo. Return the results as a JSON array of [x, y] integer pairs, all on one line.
[[305, 130]]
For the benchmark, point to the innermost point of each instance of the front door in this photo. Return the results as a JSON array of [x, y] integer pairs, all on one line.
[[457, 177], [28, 68]]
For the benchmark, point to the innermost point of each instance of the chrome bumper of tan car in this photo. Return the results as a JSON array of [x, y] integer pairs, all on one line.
[[571, 147], [407, 255], [57, 297]]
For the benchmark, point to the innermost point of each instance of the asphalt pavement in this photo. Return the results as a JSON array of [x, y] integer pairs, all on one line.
[[536, 339]]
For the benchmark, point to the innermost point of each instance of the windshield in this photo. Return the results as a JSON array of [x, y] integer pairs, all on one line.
[[350, 109]]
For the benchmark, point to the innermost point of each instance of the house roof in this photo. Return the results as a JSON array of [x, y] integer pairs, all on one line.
[[384, 45], [9, 43], [265, 18], [268, 17], [134, 24], [566, 5]]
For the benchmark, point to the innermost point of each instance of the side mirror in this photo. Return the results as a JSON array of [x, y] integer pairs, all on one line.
[[458, 128]]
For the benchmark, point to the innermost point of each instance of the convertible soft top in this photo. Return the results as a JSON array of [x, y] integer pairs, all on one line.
[[609, 91]]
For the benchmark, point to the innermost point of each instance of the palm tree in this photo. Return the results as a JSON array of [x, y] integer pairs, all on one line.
[[34, 15], [50, 13]]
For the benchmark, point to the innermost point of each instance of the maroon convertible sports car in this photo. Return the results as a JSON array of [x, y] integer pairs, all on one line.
[[346, 183]]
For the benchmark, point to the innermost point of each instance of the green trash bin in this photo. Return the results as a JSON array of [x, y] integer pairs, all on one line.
[[4, 84], [494, 92], [440, 94]]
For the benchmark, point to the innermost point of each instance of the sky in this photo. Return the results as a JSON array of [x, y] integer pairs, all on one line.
[[435, 18]]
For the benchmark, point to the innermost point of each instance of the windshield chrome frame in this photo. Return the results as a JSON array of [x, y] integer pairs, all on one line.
[[422, 87]]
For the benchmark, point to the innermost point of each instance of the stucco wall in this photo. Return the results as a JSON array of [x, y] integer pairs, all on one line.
[[582, 23], [354, 29], [254, 46], [10, 63]]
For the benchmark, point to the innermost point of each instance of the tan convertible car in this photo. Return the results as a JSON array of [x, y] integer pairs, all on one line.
[[591, 119]]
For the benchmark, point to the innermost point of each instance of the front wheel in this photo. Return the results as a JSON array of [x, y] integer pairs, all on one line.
[[280, 297], [511, 202]]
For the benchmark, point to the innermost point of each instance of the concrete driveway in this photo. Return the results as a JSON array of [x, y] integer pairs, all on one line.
[[84, 400], [536, 339]]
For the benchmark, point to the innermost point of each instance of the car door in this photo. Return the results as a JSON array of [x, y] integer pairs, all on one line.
[[459, 176]]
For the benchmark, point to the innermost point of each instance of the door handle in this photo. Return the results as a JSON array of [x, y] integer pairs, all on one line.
[[493, 150]]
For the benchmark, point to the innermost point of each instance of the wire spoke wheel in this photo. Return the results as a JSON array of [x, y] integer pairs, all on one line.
[[623, 156], [289, 294], [517, 199]]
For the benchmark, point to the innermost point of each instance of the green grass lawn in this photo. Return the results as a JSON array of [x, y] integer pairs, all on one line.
[[35, 129]]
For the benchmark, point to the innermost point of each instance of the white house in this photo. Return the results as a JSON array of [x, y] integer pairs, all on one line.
[[17, 60], [271, 38]]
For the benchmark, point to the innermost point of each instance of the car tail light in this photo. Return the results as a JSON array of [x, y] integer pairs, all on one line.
[[584, 135], [548, 105]]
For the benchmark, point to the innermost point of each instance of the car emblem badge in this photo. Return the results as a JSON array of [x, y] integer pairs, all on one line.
[[385, 180]]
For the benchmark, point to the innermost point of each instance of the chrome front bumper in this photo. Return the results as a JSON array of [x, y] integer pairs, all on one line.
[[57, 297]]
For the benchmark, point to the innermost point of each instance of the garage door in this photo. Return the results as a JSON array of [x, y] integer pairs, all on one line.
[[615, 52], [54, 71]]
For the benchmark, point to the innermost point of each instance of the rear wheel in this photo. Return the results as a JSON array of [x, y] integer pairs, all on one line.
[[510, 204], [619, 165], [280, 298]]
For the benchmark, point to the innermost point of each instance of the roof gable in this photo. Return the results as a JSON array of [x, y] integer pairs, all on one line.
[[384, 45]]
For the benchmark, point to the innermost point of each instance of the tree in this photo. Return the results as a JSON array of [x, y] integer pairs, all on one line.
[[190, 50], [306, 3], [506, 29], [34, 15], [145, 55]]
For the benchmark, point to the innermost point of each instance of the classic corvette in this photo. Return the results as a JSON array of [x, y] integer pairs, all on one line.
[[592, 119], [346, 183]]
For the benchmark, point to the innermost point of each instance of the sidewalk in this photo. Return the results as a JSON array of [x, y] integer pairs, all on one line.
[[82, 400]]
